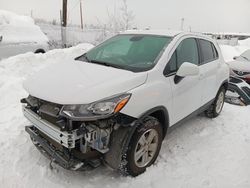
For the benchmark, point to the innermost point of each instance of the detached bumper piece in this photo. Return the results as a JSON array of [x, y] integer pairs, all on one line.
[[48, 150], [239, 92]]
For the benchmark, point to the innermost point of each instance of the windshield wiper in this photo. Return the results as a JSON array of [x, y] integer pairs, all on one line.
[[86, 59], [105, 64], [83, 58]]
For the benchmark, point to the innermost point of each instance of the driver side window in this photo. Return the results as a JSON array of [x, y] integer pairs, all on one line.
[[187, 51]]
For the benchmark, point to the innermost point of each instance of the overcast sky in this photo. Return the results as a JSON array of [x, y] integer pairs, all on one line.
[[200, 15]]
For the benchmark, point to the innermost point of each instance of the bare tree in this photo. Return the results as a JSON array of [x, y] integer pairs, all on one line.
[[118, 20], [127, 16]]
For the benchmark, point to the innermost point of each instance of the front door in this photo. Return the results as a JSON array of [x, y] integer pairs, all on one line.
[[187, 94]]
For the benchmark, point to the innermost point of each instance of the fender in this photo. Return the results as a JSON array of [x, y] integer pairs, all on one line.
[[163, 118], [225, 82]]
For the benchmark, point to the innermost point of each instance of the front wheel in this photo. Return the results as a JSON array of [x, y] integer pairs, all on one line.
[[215, 109], [143, 148]]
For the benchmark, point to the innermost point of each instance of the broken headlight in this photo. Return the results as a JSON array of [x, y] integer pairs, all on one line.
[[97, 110]]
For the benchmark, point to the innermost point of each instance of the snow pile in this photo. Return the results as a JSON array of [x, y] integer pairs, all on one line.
[[15, 29], [245, 42], [200, 153], [229, 52], [11, 18]]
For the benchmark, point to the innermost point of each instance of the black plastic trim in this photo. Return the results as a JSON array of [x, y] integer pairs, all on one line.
[[195, 113], [177, 79], [155, 109]]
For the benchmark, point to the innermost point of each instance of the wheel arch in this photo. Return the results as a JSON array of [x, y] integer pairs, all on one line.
[[40, 50], [224, 84], [160, 113]]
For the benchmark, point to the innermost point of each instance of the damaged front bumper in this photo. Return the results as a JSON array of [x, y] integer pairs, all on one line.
[[49, 151], [77, 144], [61, 137]]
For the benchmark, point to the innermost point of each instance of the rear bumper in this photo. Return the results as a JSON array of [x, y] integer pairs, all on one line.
[[46, 148]]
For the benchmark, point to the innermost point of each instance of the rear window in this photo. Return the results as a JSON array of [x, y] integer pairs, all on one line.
[[208, 51]]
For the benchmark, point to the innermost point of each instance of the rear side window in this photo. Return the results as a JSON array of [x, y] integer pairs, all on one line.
[[216, 54], [208, 51]]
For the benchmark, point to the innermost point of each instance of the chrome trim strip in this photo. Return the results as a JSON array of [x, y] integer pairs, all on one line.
[[64, 138]]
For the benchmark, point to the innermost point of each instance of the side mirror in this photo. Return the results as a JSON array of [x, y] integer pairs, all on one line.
[[1, 38], [186, 69]]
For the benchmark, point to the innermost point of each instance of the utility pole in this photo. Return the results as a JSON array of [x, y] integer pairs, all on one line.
[[64, 23], [81, 14], [190, 28], [64, 16], [31, 13], [182, 23]]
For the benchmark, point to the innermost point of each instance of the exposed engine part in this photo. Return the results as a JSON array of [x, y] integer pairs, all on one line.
[[96, 138]]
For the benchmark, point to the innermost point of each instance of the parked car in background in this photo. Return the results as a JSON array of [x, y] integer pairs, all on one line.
[[240, 67], [115, 103], [19, 34]]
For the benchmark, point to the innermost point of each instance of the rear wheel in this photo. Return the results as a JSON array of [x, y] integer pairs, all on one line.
[[215, 109], [143, 148]]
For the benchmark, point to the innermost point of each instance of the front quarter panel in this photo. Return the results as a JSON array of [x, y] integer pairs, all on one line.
[[154, 93]]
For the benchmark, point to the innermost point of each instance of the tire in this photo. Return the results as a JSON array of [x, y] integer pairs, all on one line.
[[151, 130], [215, 109]]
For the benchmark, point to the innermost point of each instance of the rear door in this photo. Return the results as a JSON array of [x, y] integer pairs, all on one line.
[[187, 93], [209, 66]]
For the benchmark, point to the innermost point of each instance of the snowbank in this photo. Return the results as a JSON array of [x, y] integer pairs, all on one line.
[[15, 29], [200, 153], [11, 18], [245, 42], [229, 52]]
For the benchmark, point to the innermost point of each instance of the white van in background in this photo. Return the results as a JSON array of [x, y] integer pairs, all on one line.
[[19, 34]]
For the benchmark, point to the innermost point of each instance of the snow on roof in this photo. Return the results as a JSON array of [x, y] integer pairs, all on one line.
[[11, 18], [170, 33], [16, 29]]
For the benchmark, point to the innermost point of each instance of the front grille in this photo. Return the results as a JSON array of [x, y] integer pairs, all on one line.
[[241, 73], [51, 113], [235, 80], [48, 111]]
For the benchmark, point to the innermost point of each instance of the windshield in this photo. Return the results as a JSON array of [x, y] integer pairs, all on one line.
[[130, 52]]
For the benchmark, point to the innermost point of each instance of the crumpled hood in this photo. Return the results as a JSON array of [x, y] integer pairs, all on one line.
[[77, 82], [240, 65]]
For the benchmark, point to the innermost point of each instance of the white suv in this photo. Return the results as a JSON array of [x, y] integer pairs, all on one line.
[[115, 103]]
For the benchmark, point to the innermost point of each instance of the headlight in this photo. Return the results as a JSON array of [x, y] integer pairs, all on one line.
[[96, 110]]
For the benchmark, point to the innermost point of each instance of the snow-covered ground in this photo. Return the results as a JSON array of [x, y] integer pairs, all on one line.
[[200, 153]]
